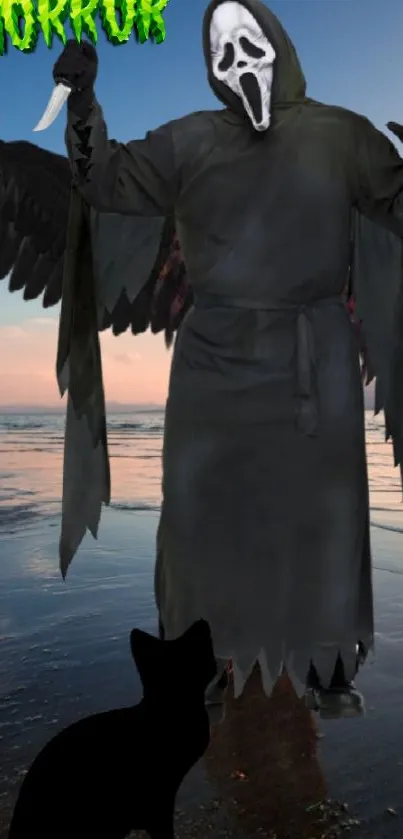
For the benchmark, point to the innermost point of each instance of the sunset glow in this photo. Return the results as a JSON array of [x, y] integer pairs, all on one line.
[[136, 369]]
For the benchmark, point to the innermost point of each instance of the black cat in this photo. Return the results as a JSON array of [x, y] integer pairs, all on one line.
[[119, 771]]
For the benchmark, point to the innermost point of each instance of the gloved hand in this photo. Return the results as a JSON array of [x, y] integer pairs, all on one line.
[[77, 67], [396, 129]]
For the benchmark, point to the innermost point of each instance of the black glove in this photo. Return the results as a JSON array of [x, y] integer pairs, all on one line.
[[396, 129], [77, 67]]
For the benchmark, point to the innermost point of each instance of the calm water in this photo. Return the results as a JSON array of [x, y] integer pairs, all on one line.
[[64, 646], [31, 468], [31, 452]]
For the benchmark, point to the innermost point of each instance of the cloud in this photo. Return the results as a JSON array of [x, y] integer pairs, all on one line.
[[12, 333], [123, 358], [135, 369], [52, 322], [127, 358]]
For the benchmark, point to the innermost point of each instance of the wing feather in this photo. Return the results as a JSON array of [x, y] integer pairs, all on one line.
[[34, 203], [10, 243], [54, 285], [22, 266], [162, 302], [172, 296]]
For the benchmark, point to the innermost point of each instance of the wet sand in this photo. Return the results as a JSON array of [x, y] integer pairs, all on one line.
[[270, 765], [274, 770], [292, 762]]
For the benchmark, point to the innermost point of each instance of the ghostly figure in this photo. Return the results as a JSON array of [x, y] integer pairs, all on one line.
[[264, 530], [242, 59]]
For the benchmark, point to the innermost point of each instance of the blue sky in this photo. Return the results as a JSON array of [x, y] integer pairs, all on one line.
[[351, 52]]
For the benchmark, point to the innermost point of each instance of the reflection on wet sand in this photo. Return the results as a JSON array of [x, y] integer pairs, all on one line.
[[263, 760]]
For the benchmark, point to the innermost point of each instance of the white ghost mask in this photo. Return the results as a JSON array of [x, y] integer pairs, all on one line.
[[242, 59]]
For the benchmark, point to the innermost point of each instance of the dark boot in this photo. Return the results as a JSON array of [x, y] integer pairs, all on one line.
[[341, 699]]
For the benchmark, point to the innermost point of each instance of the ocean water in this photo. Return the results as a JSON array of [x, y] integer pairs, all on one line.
[[31, 453], [64, 645], [31, 456], [31, 459], [64, 648]]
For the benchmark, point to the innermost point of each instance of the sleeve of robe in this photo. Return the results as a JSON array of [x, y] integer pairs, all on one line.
[[137, 178], [131, 190], [378, 270], [378, 178]]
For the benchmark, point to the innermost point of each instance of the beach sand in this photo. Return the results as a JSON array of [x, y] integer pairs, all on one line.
[[270, 765], [65, 652]]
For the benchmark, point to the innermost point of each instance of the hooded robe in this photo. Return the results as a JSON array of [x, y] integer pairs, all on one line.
[[264, 529]]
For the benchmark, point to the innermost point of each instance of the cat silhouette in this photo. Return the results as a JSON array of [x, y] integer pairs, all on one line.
[[118, 771]]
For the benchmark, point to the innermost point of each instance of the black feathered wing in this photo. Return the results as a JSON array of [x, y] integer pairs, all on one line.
[[164, 298], [34, 204], [173, 295], [109, 271], [377, 281], [35, 187]]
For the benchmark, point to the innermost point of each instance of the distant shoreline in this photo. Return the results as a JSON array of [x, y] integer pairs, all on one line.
[[49, 410], [112, 407], [142, 407]]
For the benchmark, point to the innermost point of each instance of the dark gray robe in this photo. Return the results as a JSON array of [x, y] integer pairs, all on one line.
[[265, 523]]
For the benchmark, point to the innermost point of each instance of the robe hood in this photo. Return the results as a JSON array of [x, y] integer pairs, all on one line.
[[289, 83]]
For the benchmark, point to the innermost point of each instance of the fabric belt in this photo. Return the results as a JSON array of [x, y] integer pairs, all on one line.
[[306, 375]]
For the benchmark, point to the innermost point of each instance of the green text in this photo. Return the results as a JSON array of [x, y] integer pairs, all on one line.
[[22, 21]]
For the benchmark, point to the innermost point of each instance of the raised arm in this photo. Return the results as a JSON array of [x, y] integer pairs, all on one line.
[[137, 178], [378, 178]]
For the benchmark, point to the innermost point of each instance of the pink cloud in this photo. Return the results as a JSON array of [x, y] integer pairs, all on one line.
[[136, 369]]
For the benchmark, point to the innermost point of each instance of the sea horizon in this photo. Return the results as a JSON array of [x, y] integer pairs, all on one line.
[[33, 439], [127, 407], [115, 407]]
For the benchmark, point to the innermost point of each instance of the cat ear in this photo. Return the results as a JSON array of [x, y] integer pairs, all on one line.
[[198, 632], [142, 644]]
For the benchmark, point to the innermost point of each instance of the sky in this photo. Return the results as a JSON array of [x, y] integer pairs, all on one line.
[[351, 53]]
